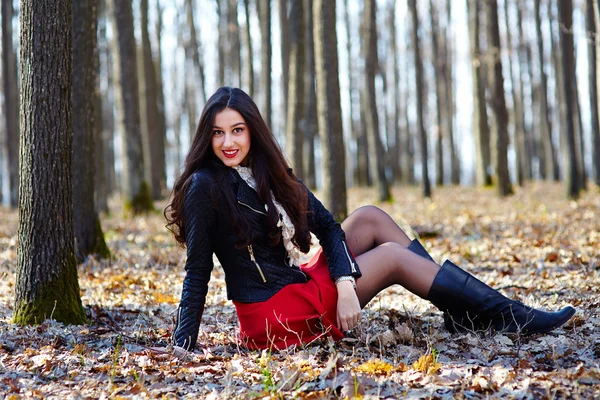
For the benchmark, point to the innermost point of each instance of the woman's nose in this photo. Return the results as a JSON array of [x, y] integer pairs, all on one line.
[[228, 140]]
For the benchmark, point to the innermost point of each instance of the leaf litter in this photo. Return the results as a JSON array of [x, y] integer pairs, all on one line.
[[535, 246]]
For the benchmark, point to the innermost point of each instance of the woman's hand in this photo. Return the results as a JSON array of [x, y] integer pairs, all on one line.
[[348, 306]]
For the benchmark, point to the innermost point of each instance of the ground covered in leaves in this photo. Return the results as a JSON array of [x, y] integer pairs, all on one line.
[[534, 246]]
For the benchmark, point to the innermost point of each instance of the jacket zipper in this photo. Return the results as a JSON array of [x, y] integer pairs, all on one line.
[[251, 252], [253, 209], [352, 266]]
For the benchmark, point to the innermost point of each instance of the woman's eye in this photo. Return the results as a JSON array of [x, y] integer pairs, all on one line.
[[238, 130], [217, 132]]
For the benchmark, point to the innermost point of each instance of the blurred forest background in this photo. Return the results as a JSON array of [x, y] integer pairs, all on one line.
[[430, 92]]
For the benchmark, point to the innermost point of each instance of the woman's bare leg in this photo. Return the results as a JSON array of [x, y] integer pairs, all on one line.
[[380, 248]]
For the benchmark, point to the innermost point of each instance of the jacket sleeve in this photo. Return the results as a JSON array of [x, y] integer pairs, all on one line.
[[200, 219], [332, 238]]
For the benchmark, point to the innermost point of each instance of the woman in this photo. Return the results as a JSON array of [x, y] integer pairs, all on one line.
[[238, 198]]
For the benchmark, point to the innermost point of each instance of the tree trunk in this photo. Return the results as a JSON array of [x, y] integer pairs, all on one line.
[[193, 51], [310, 118], [522, 159], [480, 119], [134, 187], [221, 41], [10, 77], [46, 283], [249, 62], [329, 108], [596, 67], [549, 148], [100, 178], [497, 100], [368, 99], [565, 18], [450, 101], [525, 63], [264, 15], [159, 148], [284, 30], [234, 50], [89, 238], [296, 100], [440, 88], [395, 158], [420, 98], [149, 122]]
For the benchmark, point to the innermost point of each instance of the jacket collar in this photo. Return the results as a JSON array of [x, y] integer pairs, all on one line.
[[245, 194]]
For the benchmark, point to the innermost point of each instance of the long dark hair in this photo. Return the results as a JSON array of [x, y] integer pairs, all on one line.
[[270, 169]]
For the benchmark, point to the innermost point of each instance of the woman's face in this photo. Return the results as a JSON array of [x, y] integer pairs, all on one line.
[[230, 137]]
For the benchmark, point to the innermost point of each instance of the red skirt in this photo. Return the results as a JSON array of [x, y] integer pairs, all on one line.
[[298, 313]]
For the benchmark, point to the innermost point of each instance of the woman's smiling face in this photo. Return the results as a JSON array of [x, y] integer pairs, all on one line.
[[230, 137]]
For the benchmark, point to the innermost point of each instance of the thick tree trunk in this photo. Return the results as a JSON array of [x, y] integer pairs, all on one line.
[[135, 189], [420, 98], [310, 115], [221, 41], [264, 15], [565, 18], [100, 178], [497, 99], [89, 238], [193, 51], [10, 78], [296, 100], [549, 148], [46, 283], [234, 48], [368, 99], [329, 108], [480, 120], [249, 62], [596, 67], [522, 160], [149, 117]]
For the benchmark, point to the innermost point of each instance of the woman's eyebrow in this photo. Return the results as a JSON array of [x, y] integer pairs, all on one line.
[[232, 126]]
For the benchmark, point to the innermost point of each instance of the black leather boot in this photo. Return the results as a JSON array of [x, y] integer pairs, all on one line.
[[417, 248], [471, 305]]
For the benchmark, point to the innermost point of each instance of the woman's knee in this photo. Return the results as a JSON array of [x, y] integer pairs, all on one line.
[[366, 215]]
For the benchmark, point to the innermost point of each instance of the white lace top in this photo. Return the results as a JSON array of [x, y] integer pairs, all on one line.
[[287, 227]]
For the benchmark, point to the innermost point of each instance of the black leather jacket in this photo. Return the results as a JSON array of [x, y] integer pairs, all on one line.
[[254, 273]]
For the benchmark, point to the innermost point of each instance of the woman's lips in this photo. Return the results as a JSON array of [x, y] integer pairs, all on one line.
[[230, 154]]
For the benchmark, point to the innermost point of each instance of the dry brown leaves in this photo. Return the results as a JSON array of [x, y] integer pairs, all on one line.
[[535, 246]]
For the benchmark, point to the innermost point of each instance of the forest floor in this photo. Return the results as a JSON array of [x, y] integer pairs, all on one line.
[[535, 246]]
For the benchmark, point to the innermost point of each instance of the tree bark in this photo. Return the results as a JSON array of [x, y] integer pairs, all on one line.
[[596, 67], [89, 238], [368, 99], [10, 77], [565, 18], [264, 15], [134, 187], [329, 108], [296, 100], [234, 48], [161, 140], [420, 98], [480, 120], [498, 102], [46, 283], [149, 115], [395, 158]]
